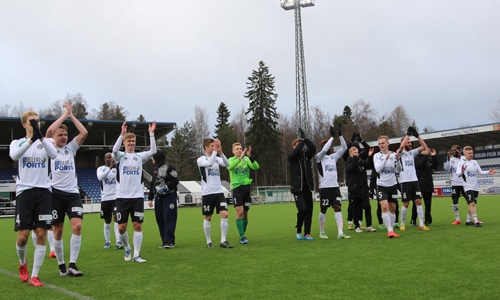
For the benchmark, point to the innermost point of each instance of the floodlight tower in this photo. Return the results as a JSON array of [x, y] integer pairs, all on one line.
[[302, 105]]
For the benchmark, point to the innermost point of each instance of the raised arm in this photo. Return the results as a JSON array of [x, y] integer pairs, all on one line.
[[83, 133]]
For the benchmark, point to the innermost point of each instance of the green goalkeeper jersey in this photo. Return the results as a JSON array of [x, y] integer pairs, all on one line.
[[239, 170]]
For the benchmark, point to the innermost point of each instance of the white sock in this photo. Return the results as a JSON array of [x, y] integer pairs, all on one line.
[[107, 232], [387, 221], [404, 210], [137, 243], [322, 218], [38, 257], [50, 239], [474, 217], [34, 238], [59, 248], [469, 217], [21, 253], [340, 222], [74, 244], [454, 207], [420, 214], [224, 225], [207, 229], [124, 239], [117, 233], [392, 217]]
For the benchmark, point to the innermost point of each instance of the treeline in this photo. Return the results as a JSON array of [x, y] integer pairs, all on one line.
[[259, 125]]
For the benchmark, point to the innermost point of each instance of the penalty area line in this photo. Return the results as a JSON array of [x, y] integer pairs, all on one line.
[[52, 287]]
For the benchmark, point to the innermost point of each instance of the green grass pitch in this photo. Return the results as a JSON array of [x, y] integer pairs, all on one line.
[[448, 262]]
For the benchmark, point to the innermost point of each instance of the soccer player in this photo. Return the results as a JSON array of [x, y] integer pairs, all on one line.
[[66, 198], [364, 157], [357, 184], [302, 183], [212, 196], [410, 189], [454, 157], [163, 190], [130, 189], [33, 197], [329, 191], [239, 172], [107, 179], [425, 162], [468, 170], [386, 164]]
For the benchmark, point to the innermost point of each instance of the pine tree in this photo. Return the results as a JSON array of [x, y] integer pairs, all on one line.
[[223, 115], [263, 134]]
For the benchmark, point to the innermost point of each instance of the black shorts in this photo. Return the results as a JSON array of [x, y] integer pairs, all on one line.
[[241, 197], [33, 209], [329, 197], [211, 202], [129, 206], [108, 210], [457, 191], [389, 193], [471, 196], [410, 191], [65, 204]]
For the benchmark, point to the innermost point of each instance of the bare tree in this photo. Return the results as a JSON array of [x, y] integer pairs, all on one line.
[[321, 123], [400, 120], [4, 110], [363, 116], [240, 125], [495, 112], [200, 126], [288, 129]]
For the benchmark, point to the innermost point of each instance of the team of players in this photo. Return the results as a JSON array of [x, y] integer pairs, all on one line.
[[47, 190]]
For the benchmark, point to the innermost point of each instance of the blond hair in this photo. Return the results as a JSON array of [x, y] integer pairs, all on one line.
[[236, 144], [128, 135], [383, 137], [26, 114]]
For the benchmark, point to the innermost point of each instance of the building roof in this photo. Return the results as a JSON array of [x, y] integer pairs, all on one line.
[[102, 133]]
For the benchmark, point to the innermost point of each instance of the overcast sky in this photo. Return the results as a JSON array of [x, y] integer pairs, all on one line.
[[440, 59]]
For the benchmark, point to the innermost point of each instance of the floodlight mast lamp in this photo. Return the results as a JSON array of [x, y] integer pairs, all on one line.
[[302, 105]]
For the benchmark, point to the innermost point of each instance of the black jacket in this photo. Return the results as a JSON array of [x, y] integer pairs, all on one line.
[[424, 164], [300, 166], [164, 180], [357, 179]]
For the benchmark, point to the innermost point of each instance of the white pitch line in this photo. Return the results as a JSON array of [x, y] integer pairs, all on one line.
[[52, 287]]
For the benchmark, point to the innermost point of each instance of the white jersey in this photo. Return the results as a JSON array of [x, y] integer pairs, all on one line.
[[386, 168], [33, 163], [472, 170], [107, 178], [210, 173], [451, 166], [130, 170], [408, 172], [62, 168], [327, 164]]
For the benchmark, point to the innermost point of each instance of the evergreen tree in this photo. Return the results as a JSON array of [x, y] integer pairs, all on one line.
[[182, 154], [263, 134], [223, 115]]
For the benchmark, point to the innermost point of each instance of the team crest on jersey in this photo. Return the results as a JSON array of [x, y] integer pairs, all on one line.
[[135, 158], [39, 146], [171, 206]]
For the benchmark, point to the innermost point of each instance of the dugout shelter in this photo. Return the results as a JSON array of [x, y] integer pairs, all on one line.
[[101, 138]]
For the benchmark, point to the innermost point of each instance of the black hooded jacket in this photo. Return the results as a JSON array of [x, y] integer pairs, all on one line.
[[300, 166]]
